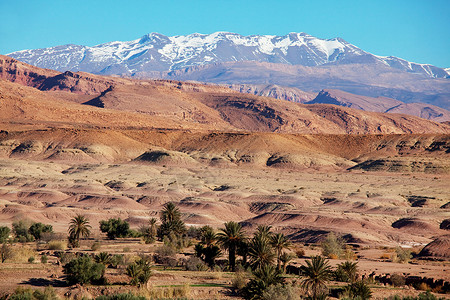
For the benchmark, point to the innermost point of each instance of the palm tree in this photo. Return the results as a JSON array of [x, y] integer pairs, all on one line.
[[263, 278], [79, 227], [316, 273], [153, 226], [242, 250], [279, 242], [285, 258], [350, 269], [208, 236], [103, 258], [230, 237], [359, 290], [260, 252], [211, 253], [264, 231], [170, 213], [171, 221]]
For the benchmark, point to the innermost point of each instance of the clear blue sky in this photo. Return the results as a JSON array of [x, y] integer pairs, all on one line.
[[418, 31]]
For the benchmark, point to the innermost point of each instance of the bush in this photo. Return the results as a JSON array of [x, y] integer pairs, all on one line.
[[50, 236], [300, 252], [37, 229], [115, 228], [124, 296], [423, 286], [57, 245], [5, 252], [64, 257], [31, 259], [22, 254], [333, 246], [166, 256], [239, 280], [422, 296], [4, 234], [103, 258], [83, 270], [171, 292], [28, 294], [402, 255], [280, 292], [139, 272], [95, 246], [165, 251], [116, 260], [348, 254], [194, 232], [397, 280], [177, 242], [20, 230], [44, 259], [263, 278], [359, 290], [195, 264]]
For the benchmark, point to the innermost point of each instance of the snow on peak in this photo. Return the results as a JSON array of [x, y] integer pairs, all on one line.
[[155, 50]]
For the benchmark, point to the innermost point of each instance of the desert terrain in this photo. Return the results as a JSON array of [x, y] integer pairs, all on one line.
[[106, 147]]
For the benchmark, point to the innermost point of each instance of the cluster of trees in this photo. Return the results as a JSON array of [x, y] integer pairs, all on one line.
[[25, 232], [265, 254]]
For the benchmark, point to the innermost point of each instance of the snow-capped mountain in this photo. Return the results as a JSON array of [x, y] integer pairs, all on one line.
[[157, 52]]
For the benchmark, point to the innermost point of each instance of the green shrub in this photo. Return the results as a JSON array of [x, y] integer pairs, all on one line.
[[115, 228], [31, 259], [57, 245], [333, 246], [65, 257], [83, 270], [139, 272], [239, 280], [402, 255], [4, 234], [124, 296], [359, 290], [103, 258], [44, 259], [177, 242], [5, 252], [422, 296], [195, 264], [28, 294], [165, 251], [263, 278], [116, 260], [397, 280], [299, 252], [48, 293], [280, 292], [96, 246], [37, 229], [20, 230]]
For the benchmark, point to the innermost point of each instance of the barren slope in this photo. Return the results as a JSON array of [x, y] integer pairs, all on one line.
[[381, 104], [194, 106]]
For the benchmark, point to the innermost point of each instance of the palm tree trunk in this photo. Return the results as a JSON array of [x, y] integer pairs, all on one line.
[[279, 260], [232, 257]]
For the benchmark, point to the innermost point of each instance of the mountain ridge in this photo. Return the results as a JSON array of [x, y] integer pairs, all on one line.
[[178, 105], [157, 52]]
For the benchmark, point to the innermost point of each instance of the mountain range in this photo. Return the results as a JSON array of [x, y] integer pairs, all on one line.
[[33, 94], [295, 61], [157, 52]]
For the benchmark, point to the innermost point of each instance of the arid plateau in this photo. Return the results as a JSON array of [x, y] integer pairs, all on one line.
[[109, 147]]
